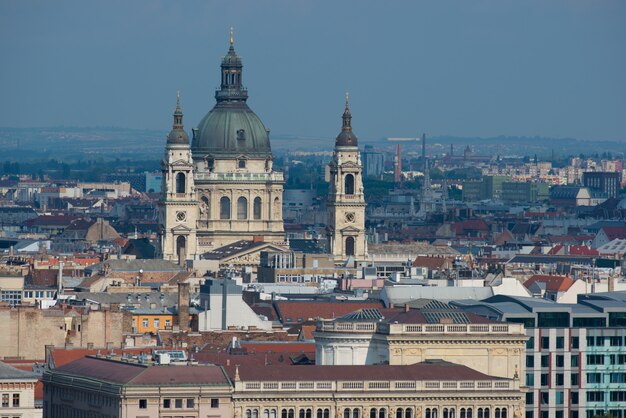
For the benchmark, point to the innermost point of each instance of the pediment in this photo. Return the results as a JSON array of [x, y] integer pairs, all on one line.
[[181, 163], [181, 228], [350, 229]]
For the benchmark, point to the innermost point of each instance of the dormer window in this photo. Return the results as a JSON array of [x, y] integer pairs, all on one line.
[[241, 135], [242, 163]]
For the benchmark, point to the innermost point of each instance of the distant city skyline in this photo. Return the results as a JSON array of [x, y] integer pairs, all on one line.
[[482, 68]]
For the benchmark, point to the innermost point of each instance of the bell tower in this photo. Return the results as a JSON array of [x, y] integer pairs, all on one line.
[[178, 207], [346, 200]]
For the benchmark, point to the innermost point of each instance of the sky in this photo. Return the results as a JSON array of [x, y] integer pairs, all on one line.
[[444, 67]]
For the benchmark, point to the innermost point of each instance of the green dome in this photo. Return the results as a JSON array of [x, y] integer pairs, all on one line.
[[231, 129]]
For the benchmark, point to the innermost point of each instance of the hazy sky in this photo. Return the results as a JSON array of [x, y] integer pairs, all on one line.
[[444, 67]]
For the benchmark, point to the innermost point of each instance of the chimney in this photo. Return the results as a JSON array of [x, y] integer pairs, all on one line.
[[183, 306], [407, 307]]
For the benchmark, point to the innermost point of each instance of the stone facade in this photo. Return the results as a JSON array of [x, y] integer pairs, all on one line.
[[494, 349], [28, 330], [346, 199], [223, 188]]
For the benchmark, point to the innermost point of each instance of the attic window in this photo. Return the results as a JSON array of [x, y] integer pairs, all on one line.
[[241, 135], [242, 163]]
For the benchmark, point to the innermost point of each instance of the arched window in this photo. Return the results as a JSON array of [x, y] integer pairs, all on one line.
[[327, 413], [349, 184], [382, 413], [180, 182], [408, 413], [496, 413], [224, 208], [180, 249], [346, 413], [302, 413], [355, 413], [399, 413], [427, 414], [486, 412], [469, 412], [320, 413], [434, 412], [503, 412], [350, 251], [309, 413], [256, 210], [462, 413], [480, 413], [373, 413], [242, 208]]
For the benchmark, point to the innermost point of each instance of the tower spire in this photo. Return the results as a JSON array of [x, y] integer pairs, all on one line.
[[178, 135], [231, 37], [347, 116]]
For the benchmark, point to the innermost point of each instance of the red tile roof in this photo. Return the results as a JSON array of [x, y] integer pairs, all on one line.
[[613, 232], [553, 283], [293, 312], [136, 374], [62, 356], [429, 370]]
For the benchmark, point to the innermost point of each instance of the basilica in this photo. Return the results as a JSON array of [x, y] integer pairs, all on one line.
[[220, 187]]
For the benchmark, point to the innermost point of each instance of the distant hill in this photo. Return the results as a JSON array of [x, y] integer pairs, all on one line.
[[20, 144]]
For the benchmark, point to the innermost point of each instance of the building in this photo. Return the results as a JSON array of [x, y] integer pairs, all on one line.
[[105, 387], [102, 387], [17, 393], [373, 163], [222, 188], [346, 199], [430, 389], [607, 182], [514, 192], [575, 353], [406, 336]]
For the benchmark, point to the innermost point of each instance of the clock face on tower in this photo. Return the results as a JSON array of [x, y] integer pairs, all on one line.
[[181, 216], [350, 217]]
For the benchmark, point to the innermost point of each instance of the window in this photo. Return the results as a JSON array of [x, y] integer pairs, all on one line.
[[544, 379], [167, 403], [168, 323], [560, 361], [595, 359], [558, 414], [16, 400], [545, 360], [224, 208], [256, 210], [560, 342], [575, 342], [530, 361], [618, 396], [143, 403], [144, 322], [599, 341], [573, 414], [591, 341], [180, 183], [350, 246], [530, 398], [190, 403], [215, 403], [616, 341], [545, 343], [530, 343], [157, 323], [617, 378], [559, 397], [178, 403], [545, 397], [242, 163], [574, 379], [574, 397], [559, 379], [349, 184], [530, 379], [242, 208], [574, 361], [5, 400], [594, 377], [595, 396]]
